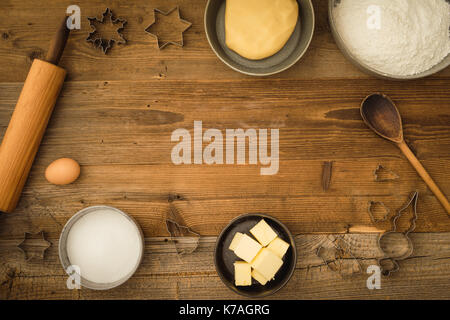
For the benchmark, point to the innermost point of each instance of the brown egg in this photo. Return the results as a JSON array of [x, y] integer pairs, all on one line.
[[62, 171]]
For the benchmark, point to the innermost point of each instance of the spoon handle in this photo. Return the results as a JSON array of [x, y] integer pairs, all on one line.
[[424, 175]]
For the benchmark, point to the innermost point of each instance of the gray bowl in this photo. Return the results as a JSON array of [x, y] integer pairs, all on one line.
[[367, 69], [65, 259], [224, 258], [292, 51]]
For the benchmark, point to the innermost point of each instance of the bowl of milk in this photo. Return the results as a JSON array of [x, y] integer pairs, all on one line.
[[101, 247]]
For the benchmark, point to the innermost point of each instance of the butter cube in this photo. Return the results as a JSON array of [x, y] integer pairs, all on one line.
[[242, 273], [263, 233], [235, 241], [259, 277], [247, 248], [278, 246], [267, 263]]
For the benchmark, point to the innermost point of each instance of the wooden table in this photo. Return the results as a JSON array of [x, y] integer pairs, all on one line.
[[116, 114]]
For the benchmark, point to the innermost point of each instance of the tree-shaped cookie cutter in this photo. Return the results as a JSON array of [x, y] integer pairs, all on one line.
[[390, 264], [166, 13], [98, 41], [371, 204]]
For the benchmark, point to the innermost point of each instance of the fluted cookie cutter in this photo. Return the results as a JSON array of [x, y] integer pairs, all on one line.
[[389, 262], [30, 248], [97, 40], [162, 45]]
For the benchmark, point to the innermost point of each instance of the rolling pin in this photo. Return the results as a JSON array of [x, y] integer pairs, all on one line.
[[29, 121]]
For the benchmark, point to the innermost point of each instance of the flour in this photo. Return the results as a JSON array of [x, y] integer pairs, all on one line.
[[395, 37]]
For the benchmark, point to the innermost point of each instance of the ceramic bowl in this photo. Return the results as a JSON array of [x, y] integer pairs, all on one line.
[[224, 258], [292, 51], [367, 69], [63, 257]]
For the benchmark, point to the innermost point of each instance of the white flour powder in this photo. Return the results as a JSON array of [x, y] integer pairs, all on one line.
[[396, 37]]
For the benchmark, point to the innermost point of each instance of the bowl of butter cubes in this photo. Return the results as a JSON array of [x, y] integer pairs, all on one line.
[[255, 255]]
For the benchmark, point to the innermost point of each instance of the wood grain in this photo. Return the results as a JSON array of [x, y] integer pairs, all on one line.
[[25, 36], [165, 275], [126, 138]]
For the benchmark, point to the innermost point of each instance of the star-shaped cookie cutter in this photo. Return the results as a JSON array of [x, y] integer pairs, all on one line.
[[166, 13], [393, 261], [101, 43], [29, 237]]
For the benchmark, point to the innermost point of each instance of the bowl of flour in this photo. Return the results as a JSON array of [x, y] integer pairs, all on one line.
[[393, 39]]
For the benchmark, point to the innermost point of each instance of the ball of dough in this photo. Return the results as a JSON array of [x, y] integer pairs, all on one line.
[[257, 29]]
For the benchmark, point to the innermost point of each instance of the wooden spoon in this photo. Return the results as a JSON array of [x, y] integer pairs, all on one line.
[[381, 115]]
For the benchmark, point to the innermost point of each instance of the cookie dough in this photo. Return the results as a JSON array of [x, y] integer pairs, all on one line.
[[257, 29]]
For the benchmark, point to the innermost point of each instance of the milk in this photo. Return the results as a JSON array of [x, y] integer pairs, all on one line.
[[105, 245]]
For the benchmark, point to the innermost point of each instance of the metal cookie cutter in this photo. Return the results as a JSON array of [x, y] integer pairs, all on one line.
[[335, 256], [161, 44], [378, 174], [97, 40], [370, 209], [177, 230], [389, 263], [34, 245]]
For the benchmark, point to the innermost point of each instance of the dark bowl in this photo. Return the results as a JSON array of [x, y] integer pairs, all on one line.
[[224, 258], [292, 51]]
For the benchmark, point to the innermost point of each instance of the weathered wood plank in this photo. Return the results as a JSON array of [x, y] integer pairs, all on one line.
[[164, 275], [316, 118], [124, 147], [123, 144], [26, 31], [49, 208]]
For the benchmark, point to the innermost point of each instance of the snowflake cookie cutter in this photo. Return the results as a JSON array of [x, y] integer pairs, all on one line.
[[98, 41], [389, 263], [162, 45], [29, 247]]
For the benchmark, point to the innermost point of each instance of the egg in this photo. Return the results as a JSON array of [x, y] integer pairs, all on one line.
[[62, 171]]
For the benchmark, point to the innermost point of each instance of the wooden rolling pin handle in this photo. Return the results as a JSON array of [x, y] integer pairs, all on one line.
[[26, 129], [58, 43], [425, 176]]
